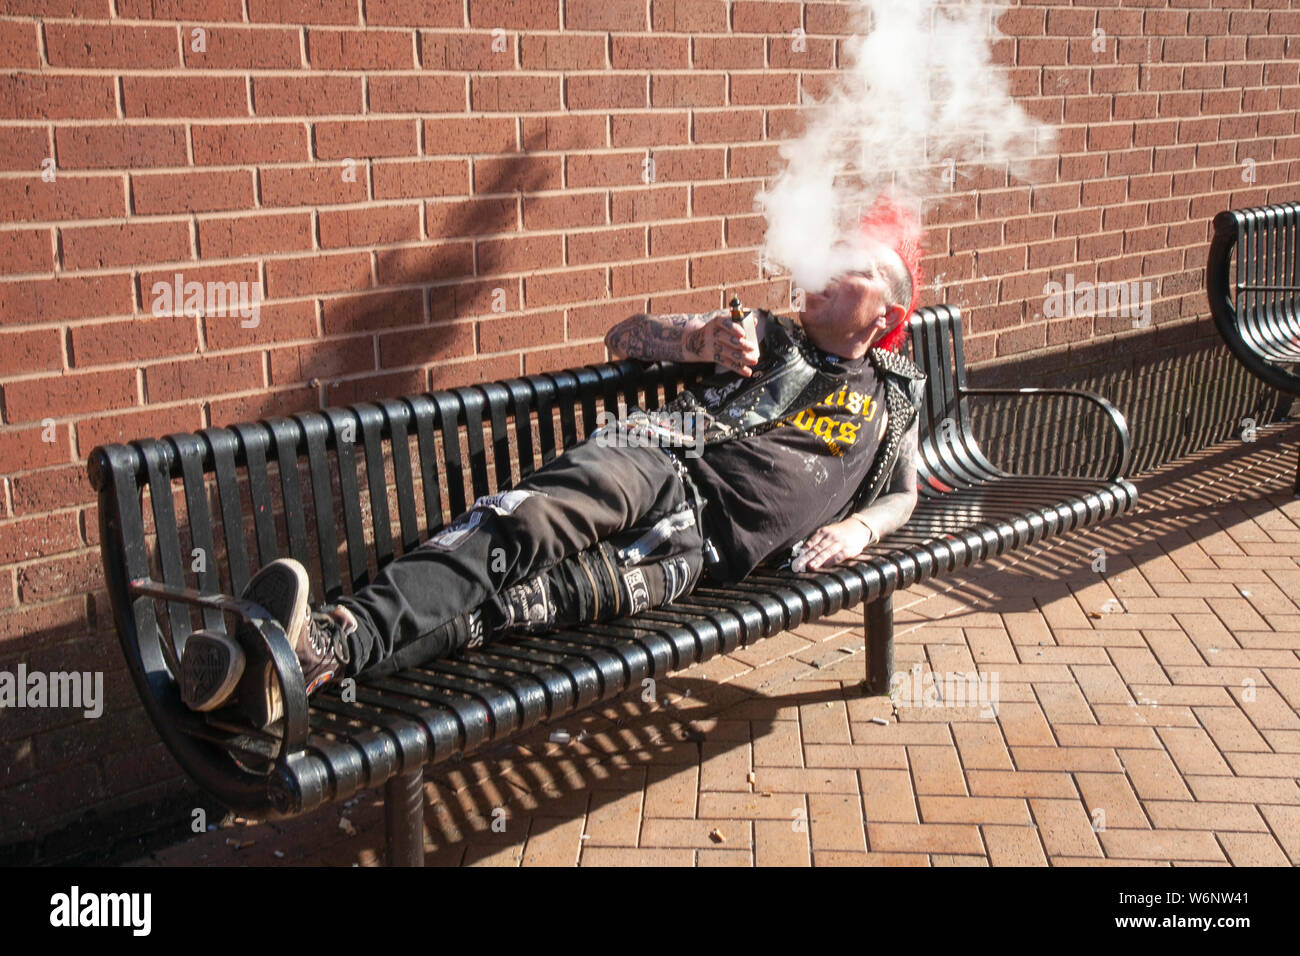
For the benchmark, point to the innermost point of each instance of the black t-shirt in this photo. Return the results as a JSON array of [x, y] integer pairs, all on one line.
[[766, 492]]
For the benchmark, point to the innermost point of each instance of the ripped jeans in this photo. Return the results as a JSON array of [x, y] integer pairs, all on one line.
[[599, 532]]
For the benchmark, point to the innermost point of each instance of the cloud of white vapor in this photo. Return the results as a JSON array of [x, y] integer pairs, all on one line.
[[919, 96]]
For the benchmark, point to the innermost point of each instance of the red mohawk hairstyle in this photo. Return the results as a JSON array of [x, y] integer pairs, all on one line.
[[898, 228]]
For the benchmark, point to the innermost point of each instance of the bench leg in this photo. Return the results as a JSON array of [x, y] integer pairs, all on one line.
[[404, 818], [878, 626]]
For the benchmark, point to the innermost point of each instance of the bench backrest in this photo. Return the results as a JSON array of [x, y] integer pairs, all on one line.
[[336, 489], [1253, 278]]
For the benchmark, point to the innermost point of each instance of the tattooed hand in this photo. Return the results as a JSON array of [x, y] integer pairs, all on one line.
[[707, 337]]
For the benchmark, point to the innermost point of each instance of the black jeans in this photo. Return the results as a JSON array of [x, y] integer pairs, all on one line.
[[598, 531]]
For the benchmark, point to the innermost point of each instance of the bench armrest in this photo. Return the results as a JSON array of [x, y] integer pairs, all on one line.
[[1119, 469], [281, 653]]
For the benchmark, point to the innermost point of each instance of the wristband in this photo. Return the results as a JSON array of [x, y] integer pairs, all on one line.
[[874, 537]]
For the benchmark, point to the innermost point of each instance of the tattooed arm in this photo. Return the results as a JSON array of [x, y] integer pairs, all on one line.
[[845, 540], [707, 337]]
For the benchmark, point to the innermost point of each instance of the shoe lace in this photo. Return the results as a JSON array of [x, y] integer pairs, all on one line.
[[326, 635]]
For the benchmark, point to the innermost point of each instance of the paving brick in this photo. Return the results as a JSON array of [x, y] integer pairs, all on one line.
[[614, 818], [924, 838], [1253, 849], [816, 780], [1066, 828], [1185, 815], [1113, 794], [671, 791], [1014, 846], [694, 833], [1065, 758], [1019, 783], [936, 770], [859, 755], [1196, 845], [777, 843], [835, 822], [887, 796], [724, 766], [1193, 750], [623, 856], [981, 746], [1008, 810]]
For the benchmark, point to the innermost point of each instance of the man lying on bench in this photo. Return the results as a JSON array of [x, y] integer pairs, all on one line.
[[787, 450]]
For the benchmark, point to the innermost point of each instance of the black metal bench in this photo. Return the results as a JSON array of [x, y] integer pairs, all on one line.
[[323, 487], [1252, 277]]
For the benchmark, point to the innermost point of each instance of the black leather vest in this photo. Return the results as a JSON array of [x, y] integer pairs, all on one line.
[[792, 374]]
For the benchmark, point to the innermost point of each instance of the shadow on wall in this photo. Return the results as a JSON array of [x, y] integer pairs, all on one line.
[[1184, 393], [341, 367]]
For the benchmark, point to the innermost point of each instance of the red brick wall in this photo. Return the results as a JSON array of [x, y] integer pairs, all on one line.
[[519, 170]]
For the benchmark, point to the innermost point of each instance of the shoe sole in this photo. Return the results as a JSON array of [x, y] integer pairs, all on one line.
[[211, 667], [281, 589]]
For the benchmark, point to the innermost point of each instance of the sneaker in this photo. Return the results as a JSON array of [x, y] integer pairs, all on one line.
[[211, 666]]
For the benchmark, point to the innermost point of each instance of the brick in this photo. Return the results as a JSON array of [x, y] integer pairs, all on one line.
[[126, 244], [364, 49], [514, 93], [751, 17], [1014, 846], [230, 237], [560, 212], [653, 131], [242, 48], [644, 277], [652, 52], [688, 16], [517, 174], [372, 311], [418, 94], [163, 193], [471, 135], [127, 426], [35, 351], [30, 96], [606, 245], [605, 92], [114, 147], [467, 52], [47, 300], [449, 260], [175, 96], [366, 138], [70, 393], [334, 359], [230, 145], [835, 823], [421, 178], [471, 217], [135, 340], [411, 13], [19, 46], [207, 375], [924, 838], [37, 537], [313, 275], [564, 52], [340, 12], [23, 147], [69, 197], [26, 250], [627, 15], [554, 288], [306, 95], [312, 185], [91, 46], [368, 227], [1161, 845]]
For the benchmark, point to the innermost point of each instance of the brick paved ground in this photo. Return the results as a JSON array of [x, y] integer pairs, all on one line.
[[1147, 715]]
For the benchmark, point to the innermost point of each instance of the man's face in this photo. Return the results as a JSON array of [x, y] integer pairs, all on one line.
[[853, 312]]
